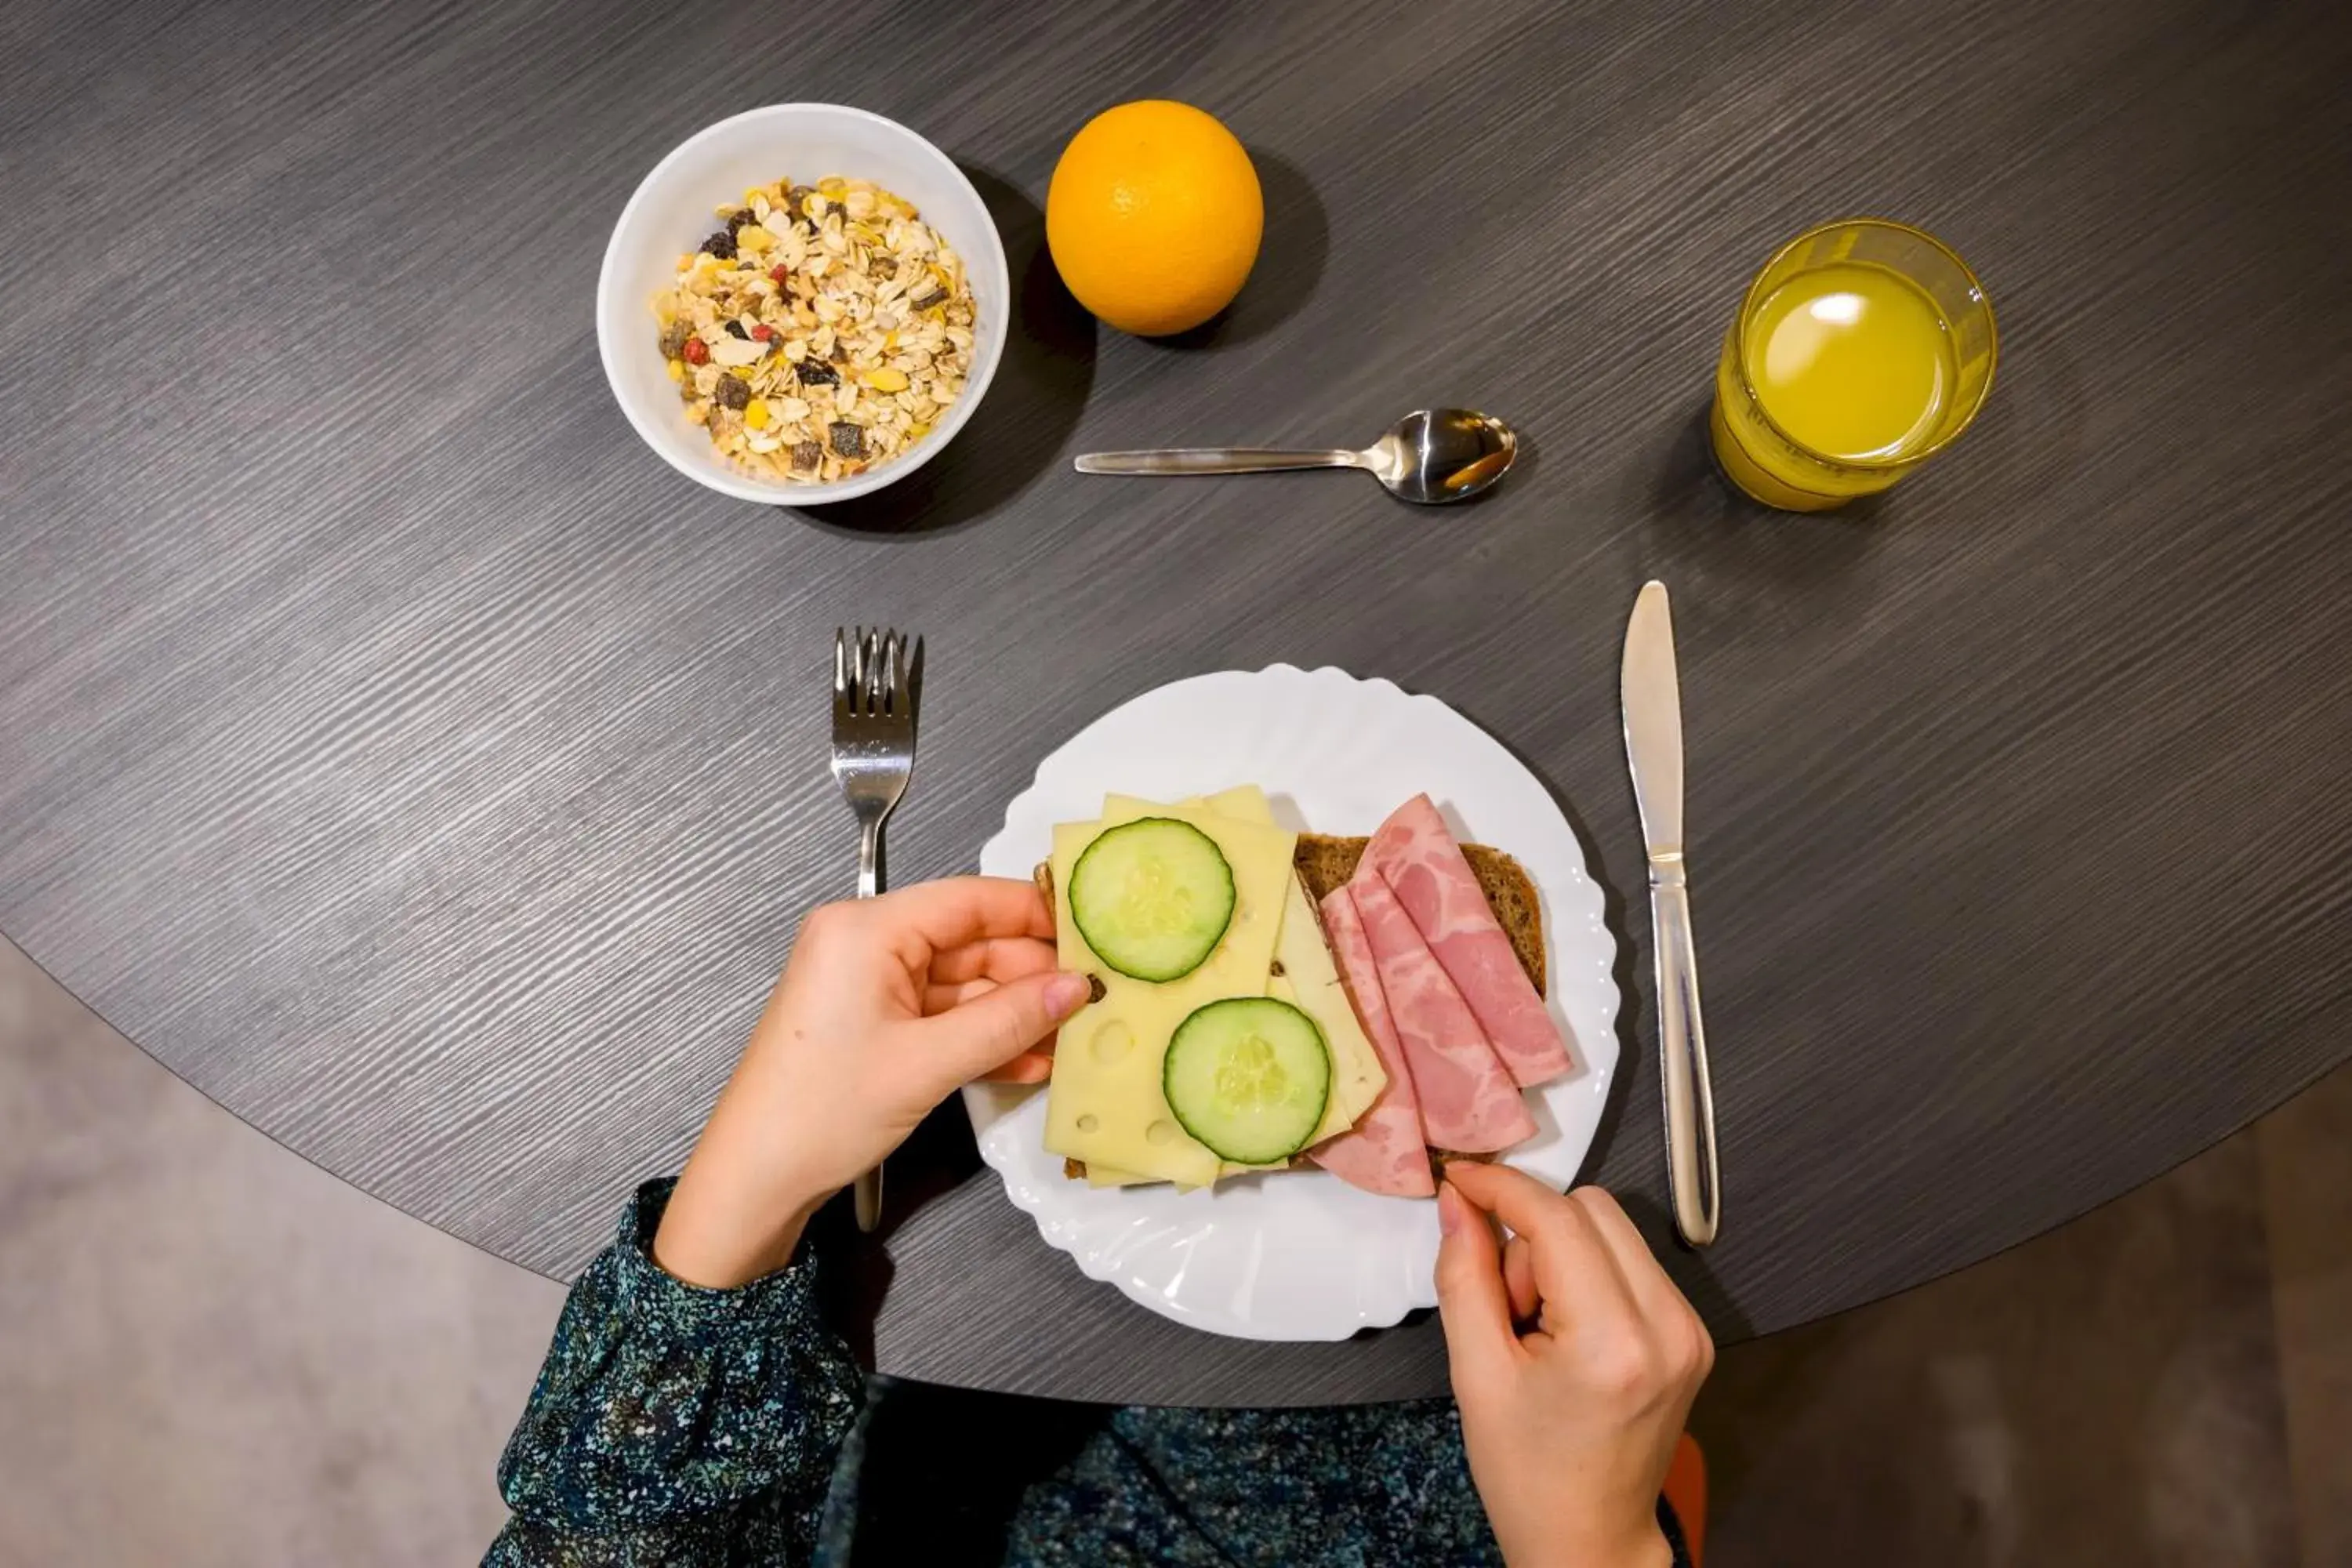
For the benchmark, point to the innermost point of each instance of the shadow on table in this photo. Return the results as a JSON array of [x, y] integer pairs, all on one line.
[[1290, 259], [937, 1158], [1744, 574], [1025, 416]]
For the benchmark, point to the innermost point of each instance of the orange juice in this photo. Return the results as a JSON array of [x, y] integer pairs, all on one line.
[[1855, 356], [1850, 360]]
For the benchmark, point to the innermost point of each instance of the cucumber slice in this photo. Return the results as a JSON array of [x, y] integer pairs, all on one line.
[[1152, 898], [1248, 1077]]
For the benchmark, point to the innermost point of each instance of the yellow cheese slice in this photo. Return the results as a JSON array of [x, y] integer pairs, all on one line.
[[1309, 982], [1103, 1103]]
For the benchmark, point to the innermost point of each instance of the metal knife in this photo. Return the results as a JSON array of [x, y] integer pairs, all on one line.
[[1653, 751]]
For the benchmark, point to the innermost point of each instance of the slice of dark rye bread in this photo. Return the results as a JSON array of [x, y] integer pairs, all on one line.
[[1325, 862]]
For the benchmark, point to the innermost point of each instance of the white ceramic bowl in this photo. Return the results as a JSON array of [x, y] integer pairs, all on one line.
[[671, 214]]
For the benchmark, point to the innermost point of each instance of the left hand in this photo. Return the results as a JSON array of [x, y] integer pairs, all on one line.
[[886, 1005]]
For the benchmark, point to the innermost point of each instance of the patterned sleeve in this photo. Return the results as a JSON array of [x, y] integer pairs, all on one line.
[[677, 1425]]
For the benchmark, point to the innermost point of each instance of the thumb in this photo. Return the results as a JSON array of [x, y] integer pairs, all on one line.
[[1472, 1299], [988, 1030]]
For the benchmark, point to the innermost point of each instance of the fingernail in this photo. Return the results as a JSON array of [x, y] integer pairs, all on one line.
[[1066, 993], [1449, 1210]]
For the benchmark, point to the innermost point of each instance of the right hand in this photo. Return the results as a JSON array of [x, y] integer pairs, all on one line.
[[1571, 1424]]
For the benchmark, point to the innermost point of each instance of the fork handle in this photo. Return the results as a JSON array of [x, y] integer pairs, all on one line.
[[866, 1195], [869, 857]]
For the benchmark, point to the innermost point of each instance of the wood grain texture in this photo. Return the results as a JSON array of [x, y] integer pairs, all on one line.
[[401, 754]]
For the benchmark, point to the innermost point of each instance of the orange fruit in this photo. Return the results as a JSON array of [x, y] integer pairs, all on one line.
[[1154, 217]]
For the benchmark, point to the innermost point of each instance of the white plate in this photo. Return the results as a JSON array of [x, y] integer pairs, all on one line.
[[1300, 1255]]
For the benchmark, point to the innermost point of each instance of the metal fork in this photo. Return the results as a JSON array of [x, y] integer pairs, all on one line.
[[874, 697]]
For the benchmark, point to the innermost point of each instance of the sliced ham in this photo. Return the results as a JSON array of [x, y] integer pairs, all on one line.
[[1468, 1102], [1422, 864], [1383, 1151]]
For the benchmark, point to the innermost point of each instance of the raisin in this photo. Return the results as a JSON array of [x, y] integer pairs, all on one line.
[[740, 216], [721, 245], [848, 440], [806, 455], [673, 338], [732, 392], [735, 330], [816, 373]]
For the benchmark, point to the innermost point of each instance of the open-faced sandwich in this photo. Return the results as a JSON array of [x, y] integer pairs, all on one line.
[[1265, 997]]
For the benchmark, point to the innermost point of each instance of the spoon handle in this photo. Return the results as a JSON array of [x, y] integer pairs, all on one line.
[[1213, 461]]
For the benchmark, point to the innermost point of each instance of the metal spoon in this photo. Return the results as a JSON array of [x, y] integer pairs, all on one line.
[[1432, 455]]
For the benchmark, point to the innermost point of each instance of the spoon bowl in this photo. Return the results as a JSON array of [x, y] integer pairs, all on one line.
[[1430, 456], [1435, 456]]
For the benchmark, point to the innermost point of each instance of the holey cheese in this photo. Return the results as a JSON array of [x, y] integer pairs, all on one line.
[[1310, 980], [1103, 1103]]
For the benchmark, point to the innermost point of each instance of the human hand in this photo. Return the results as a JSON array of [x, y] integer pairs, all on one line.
[[1570, 1424], [885, 1005]]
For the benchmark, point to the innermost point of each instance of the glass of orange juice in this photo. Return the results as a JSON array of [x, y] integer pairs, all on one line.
[[1862, 349]]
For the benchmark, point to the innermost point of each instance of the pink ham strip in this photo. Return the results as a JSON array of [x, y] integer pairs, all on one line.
[[1468, 1102], [1383, 1151], [1422, 864]]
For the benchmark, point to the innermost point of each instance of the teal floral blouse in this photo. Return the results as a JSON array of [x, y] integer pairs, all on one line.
[[686, 1427]]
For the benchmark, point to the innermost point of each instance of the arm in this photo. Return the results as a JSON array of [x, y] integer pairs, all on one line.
[[674, 1424], [1574, 1361], [692, 1406]]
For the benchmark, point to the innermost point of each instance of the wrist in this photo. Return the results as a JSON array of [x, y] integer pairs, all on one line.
[[720, 1235]]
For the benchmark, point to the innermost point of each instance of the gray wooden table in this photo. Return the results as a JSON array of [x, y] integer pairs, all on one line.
[[403, 754]]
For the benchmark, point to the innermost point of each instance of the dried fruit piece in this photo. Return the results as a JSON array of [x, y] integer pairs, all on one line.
[[847, 440], [720, 245], [886, 380], [816, 373], [806, 455], [732, 392], [755, 413], [694, 351], [673, 338]]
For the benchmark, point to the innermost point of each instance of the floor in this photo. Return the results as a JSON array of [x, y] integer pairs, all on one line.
[[216, 1355]]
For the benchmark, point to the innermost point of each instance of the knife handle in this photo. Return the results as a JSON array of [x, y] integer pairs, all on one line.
[[1682, 1059]]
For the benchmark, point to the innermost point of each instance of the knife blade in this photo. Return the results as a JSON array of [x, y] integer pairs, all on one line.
[[1652, 694]]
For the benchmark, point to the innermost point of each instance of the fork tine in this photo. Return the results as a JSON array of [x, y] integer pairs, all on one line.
[[894, 677], [840, 663], [869, 701]]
